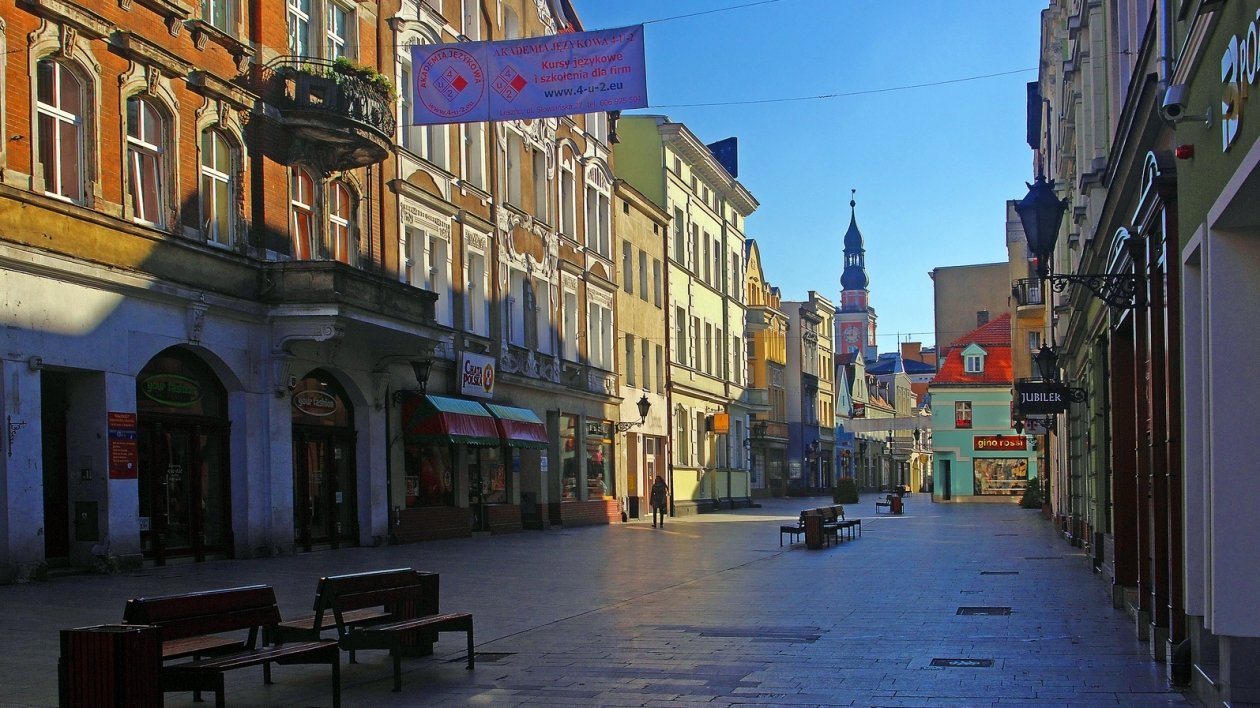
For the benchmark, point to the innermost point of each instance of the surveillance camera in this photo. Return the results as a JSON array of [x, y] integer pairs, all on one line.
[[1174, 106]]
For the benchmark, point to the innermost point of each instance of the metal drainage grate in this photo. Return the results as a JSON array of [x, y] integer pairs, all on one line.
[[1005, 534], [488, 656], [996, 611], [963, 663], [999, 572]]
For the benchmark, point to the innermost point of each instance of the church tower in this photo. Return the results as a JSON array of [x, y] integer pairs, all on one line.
[[855, 322]]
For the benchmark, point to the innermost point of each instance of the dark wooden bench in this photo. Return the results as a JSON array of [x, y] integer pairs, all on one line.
[[792, 530], [847, 524], [886, 504], [400, 599], [196, 625], [831, 524]]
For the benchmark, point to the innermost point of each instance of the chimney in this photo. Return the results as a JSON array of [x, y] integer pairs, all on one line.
[[982, 318], [910, 351]]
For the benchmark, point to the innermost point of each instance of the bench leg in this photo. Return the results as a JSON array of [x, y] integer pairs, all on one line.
[[470, 646], [336, 679], [267, 672], [219, 701], [397, 655]]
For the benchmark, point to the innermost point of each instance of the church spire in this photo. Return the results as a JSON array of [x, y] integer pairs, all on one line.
[[854, 276]]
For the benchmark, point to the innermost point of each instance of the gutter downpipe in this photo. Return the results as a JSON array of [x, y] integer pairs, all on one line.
[[669, 340]]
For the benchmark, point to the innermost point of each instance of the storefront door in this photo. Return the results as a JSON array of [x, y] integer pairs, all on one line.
[[325, 506], [184, 473], [323, 489]]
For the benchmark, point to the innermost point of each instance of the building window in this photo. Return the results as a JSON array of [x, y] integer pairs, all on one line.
[[145, 154], [708, 269], [218, 13], [708, 348], [59, 107], [341, 222], [1034, 341], [570, 351], [643, 276], [655, 281], [568, 202], [600, 335], [429, 256], [540, 186], [597, 126], [302, 207], [680, 239], [627, 256], [962, 414], [299, 25], [472, 19], [217, 194], [682, 442], [680, 336], [544, 334], [644, 360], [660, 369], [337, 32], [475, 154], [514, 155], [598, 231], [973, 363], [516, 308], [629, 361], [475, 287]]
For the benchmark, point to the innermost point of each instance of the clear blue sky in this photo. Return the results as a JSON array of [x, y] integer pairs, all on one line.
[[933, 166]]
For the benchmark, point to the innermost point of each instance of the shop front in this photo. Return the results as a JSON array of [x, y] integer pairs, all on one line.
[[325, 508], [588, 479], [183, 466]]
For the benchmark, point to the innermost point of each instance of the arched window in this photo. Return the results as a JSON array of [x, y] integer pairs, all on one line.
[[341, 208], [302, 205], [59, 105], [145, 154], [217, 190]]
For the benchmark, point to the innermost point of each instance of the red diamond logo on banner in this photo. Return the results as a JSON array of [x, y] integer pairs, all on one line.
[[459, 83], [519, 82]]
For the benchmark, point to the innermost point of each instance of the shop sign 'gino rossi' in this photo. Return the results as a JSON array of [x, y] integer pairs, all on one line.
[[476, 375], [519, 79]]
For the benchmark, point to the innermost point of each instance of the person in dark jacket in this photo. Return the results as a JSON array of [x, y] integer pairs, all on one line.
[[659, 500]]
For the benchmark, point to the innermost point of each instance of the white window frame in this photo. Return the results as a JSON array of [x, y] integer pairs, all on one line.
[[568, 199], [54, 174], [570, 344], [542, 196], [338, 44], [973, 363], [342, 244], [298, 24], [475, 154], [629, 365], [546, 338], [470, 19], [515, 307], [146, 162], [476, 292], [514, 155], [216, 190], [600, 335], [226, 9], [302, 211]]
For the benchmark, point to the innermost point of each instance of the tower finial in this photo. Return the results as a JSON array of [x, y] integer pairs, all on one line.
[[852, 198]]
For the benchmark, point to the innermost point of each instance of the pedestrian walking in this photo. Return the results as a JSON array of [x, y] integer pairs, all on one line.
[[659, 500]]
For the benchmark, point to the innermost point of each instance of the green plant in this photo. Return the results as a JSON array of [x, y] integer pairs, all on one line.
[[1032, 494], [363, 72], [846, 491]]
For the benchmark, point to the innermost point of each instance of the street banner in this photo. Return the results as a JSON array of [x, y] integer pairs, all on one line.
[[520, 79]]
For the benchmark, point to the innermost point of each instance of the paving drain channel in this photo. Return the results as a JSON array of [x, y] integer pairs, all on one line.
[[994, 611], [487, 656], [999, 572], [963, 663]]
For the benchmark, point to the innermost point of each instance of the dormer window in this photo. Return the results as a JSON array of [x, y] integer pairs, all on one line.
[[973, 359]]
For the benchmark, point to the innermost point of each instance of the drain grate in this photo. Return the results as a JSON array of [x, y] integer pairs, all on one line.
[[487, 656], [999, 572], [963, 663], [1005, 534], [995, 611]]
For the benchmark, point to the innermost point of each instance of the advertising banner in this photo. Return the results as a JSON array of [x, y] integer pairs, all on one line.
[[1040, 397], [1000, 443], [476, 375], [124, 451], [519, 79]]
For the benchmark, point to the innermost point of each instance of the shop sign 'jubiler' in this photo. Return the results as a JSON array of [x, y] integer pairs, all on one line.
[[520, 79]]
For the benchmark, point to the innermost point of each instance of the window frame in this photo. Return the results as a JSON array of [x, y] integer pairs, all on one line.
[[54, 179], [146, 160], [216, 234]]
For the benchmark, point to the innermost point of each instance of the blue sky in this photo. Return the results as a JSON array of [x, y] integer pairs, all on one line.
[[933, 166]]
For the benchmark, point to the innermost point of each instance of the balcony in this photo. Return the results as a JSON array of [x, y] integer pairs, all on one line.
[[1028, 293], [341, 287], [334, 113]]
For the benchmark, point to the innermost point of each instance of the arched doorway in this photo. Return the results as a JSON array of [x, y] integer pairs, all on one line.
[[325, 507], [184, 469]]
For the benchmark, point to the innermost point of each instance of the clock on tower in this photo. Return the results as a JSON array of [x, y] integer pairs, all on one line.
[[853, 335]]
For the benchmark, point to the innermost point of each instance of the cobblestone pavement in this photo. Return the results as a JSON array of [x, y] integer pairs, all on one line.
[[707, 610]]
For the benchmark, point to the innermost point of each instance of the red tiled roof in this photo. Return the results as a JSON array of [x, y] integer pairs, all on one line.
[[994, 338]]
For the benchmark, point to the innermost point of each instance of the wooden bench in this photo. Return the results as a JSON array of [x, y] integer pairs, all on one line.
[[849, 524], [400, 599], [886, 504], [792, 530], [194, 624], [831, 524]]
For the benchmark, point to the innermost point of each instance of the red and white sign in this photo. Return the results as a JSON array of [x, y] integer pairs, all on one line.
[[476, 375]]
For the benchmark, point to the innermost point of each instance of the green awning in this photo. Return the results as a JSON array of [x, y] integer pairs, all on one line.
[[519, 427], [429, 419]]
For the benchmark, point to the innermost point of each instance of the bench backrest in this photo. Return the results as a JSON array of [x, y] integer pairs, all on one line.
[[839, 512], [828, 513], [209, 612], [404, 592]]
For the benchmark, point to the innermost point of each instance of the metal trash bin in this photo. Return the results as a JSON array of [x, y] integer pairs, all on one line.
[[113, 665]]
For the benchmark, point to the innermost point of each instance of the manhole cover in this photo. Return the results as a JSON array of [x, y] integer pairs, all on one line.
[[984, 610], [999, 572], [963, 663]]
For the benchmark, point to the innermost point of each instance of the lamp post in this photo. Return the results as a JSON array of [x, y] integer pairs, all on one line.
[[644, 405]]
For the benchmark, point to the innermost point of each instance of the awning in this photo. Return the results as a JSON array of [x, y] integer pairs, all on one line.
[[519, 427], [452, 420]]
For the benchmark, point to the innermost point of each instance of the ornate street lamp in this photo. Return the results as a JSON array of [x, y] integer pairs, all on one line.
[[1041, 213], [644, 406]]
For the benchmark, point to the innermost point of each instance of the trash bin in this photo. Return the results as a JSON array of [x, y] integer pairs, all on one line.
[[894, 502], [113, 665], [813, 531]]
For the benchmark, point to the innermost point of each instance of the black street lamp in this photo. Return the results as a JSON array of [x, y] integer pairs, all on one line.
[[1041, 213], [1047, 361], [644, 406]]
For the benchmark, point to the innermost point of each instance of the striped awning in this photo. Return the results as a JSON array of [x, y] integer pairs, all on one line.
[[519, 427], [452, 420]]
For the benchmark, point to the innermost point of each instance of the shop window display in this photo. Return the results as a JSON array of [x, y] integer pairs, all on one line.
[[429, 478], [599, 457], [568, 458], [493, 476], [1000, 476]]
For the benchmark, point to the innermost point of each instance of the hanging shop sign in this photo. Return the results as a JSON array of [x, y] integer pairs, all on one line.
[[1240, 67], [476, 375], [999, 443], [316, 403], [537, 77], [1040, 397]]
